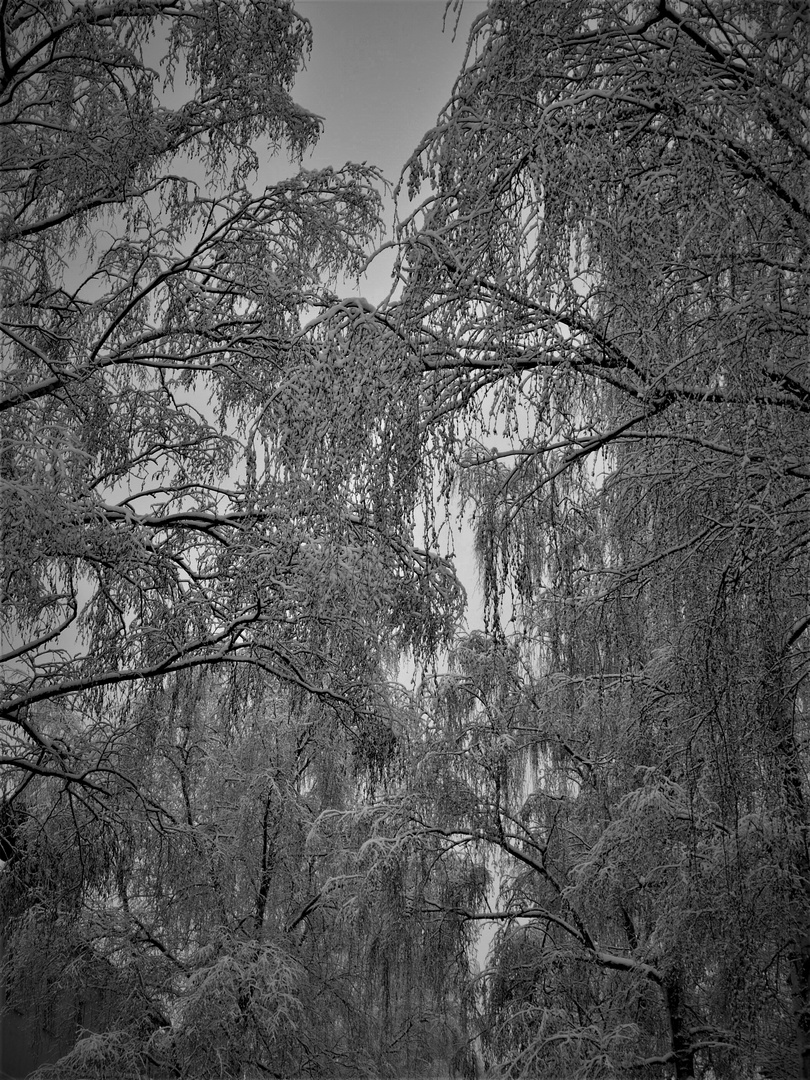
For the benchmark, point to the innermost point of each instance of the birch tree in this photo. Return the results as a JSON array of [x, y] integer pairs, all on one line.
[[606, 289], [208, 562], [153, 346]]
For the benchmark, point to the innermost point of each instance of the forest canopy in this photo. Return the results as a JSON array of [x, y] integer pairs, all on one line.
[[223, 812]]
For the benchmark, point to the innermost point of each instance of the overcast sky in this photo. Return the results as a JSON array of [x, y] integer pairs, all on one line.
[[379, 74]]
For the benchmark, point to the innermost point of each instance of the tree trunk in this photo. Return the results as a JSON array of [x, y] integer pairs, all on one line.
[[681, 1042], [265, 875], [781, 719], [800, 988]]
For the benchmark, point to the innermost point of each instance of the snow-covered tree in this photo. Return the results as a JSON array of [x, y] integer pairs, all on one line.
[[606, 289], [208, 567]]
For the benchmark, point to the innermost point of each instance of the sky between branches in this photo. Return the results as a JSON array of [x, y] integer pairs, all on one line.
[[379, 73]]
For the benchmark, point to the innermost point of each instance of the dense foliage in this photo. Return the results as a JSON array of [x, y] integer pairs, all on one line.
[[206, 585], [608, 290], [218, 805]]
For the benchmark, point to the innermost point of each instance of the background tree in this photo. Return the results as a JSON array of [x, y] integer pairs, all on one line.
[[609, 280], [269, 929]]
